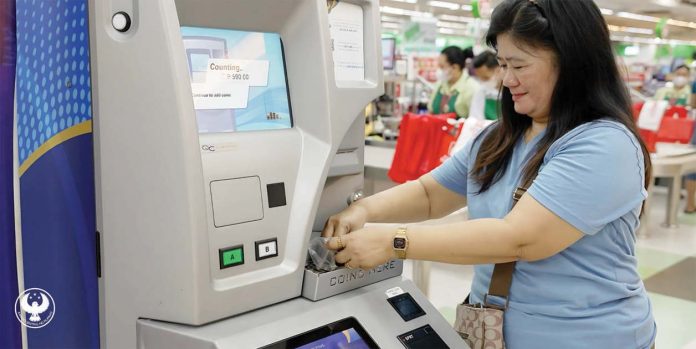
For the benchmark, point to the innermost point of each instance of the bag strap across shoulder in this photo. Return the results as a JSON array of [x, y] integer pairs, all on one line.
[[501, 279]]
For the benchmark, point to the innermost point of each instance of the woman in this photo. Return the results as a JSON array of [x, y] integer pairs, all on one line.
[[455, 89], [565, 113]]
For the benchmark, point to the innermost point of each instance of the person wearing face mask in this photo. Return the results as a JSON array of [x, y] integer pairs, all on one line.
[[680, 91], [484, 104], [455, 87]]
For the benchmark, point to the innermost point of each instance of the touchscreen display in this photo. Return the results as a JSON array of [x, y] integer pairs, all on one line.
[[342, 334], [238, 80], [347, 339]]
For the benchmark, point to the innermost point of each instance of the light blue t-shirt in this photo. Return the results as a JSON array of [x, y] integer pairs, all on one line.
[[590, 294]]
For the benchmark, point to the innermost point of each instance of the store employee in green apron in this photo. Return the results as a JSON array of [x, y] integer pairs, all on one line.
[[680, 92], [455, 88]]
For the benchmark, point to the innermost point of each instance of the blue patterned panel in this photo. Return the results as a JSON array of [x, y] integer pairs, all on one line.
[[56, 183], [53, 89]]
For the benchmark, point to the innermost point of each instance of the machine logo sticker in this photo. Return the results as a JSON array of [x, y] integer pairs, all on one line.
[[38, 307], [206, 147], [218, 147]]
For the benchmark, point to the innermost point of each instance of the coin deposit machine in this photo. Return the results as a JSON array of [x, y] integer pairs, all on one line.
[[226, 132]]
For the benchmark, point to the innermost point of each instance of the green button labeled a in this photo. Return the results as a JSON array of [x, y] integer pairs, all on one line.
[[231, 257]]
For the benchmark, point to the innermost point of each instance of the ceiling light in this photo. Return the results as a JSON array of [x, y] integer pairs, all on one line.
[[677, 23], [457, 18], [402, 12], [444, 4], [606, 11], [391, 25], [639, 31], [666, 3], [638, 17], [392, 19], [633, 30], [467, 8], [451, 25]]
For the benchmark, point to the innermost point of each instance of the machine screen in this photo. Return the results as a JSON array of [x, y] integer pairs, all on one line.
[[406, 306], [238, 80], [347, 339], [342, 334]]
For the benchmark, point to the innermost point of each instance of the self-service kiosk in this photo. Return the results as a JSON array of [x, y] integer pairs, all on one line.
[[226, 132]]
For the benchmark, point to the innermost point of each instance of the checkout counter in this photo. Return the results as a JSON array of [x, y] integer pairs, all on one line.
[[226, 133]]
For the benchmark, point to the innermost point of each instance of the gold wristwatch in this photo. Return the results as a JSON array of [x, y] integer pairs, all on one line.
[[400, 243]]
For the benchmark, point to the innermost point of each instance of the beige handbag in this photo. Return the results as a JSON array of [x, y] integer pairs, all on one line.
[[481, 325]]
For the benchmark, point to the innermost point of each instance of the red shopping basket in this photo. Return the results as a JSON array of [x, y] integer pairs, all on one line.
[[675, 130], [424, 141], [637, 107], [649, 138], [676, 112]]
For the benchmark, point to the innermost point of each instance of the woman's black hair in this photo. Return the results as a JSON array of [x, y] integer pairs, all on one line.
[[487, 59], [455, 55], [589, 86]]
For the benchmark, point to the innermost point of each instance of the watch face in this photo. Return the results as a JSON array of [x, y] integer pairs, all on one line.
[[399, 243]]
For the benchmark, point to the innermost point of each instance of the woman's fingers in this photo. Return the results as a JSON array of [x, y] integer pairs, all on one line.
[[341, 229], [328, 228], [336, 243], [342, 257]]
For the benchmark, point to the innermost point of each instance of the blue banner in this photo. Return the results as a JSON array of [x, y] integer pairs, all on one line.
[[9, 326], [56, 174]]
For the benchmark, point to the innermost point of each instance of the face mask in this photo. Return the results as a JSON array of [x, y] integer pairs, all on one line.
[[680, 81], [443, 75], [492, 82]]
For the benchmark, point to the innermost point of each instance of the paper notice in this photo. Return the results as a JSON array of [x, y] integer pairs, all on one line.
[[346, 28]]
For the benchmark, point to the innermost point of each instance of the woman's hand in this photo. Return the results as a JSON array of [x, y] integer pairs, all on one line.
[[365, 248], [350, 219]]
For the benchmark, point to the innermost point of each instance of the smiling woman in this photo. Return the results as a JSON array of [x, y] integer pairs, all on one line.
[[555, 73], [568, 242]]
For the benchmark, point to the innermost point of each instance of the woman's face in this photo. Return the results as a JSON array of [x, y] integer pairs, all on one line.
[[531, 74], [446, 66]]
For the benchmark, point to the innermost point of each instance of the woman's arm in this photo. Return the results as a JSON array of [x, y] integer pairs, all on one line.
[[529, 232], [413, 201]]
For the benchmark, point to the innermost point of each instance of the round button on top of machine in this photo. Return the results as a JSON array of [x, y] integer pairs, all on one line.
[[121, 21]]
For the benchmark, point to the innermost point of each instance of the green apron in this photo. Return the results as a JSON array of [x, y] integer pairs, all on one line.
[[443, 104], [490, 109], [680, 99]]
